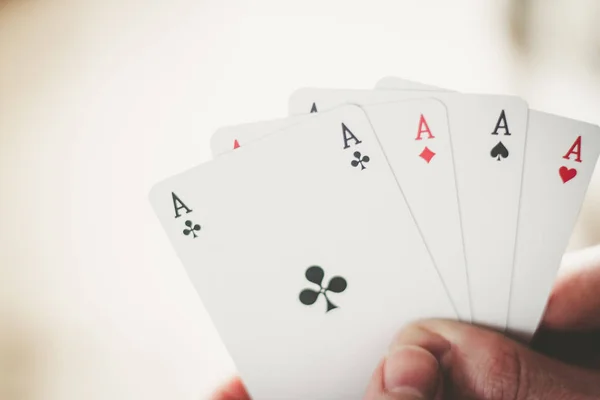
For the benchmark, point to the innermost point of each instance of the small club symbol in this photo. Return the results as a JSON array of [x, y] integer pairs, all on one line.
[[315, 275], [191, 228], [360, 160]]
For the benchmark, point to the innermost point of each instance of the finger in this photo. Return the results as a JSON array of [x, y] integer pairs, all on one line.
[[408, 372], [574, 303], [232, 390], [481, 364]]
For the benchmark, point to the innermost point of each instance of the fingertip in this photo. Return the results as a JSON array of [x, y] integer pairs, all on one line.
[[573, 303], [418, 334], [232, 390], [411, 372], [412, 369]]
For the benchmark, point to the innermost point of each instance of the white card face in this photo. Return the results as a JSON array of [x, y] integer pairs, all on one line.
[[233, 137], [415, 138], [488, 136], [281, 228], [559, 162]]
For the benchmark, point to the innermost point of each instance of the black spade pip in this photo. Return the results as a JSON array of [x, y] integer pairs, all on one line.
[[499, 152]]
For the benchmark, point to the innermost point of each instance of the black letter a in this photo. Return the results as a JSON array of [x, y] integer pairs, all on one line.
[[502, 124], [348, 135], [178, 205]]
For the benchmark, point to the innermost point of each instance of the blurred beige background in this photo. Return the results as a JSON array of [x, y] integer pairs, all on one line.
[[99, 100]]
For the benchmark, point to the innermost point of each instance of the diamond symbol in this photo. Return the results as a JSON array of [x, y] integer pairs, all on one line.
[[427, 154]]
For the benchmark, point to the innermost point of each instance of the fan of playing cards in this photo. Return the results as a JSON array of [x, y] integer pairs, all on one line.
[[313, 239]]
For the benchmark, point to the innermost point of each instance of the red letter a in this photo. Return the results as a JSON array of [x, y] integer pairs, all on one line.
[[575, 149], [424, 128]]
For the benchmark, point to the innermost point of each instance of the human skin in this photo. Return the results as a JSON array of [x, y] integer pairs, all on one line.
[[439, 359]]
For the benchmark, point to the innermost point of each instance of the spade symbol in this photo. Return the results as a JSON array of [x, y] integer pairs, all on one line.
[[315, 275], [499, 152]]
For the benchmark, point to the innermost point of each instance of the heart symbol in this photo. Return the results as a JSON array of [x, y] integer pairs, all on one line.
[[567, 174]]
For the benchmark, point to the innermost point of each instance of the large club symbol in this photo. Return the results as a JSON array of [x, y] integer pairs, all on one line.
[[360, 160], [315, 275]]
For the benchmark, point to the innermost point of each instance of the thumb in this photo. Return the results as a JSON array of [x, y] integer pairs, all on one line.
[[475, 363], [407, 373]]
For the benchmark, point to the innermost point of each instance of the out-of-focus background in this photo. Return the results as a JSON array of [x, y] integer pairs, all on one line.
[[101, 99]]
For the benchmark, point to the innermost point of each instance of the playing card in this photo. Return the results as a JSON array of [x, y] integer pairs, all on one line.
[[415, 138], [488, 136], [229, 138], [560, 158], [310, 276], [559, 162]]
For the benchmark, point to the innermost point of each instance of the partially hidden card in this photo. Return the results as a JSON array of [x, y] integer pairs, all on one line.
[[303, 251], [230, 138], [415, 138], [559, 161], [488, 135]]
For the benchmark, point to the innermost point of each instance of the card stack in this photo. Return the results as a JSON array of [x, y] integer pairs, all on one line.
[[313, 239]]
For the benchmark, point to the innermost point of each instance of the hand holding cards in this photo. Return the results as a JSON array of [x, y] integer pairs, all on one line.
[[321, 235]]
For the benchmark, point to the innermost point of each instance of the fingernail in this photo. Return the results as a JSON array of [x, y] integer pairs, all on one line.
[[411, 370]]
